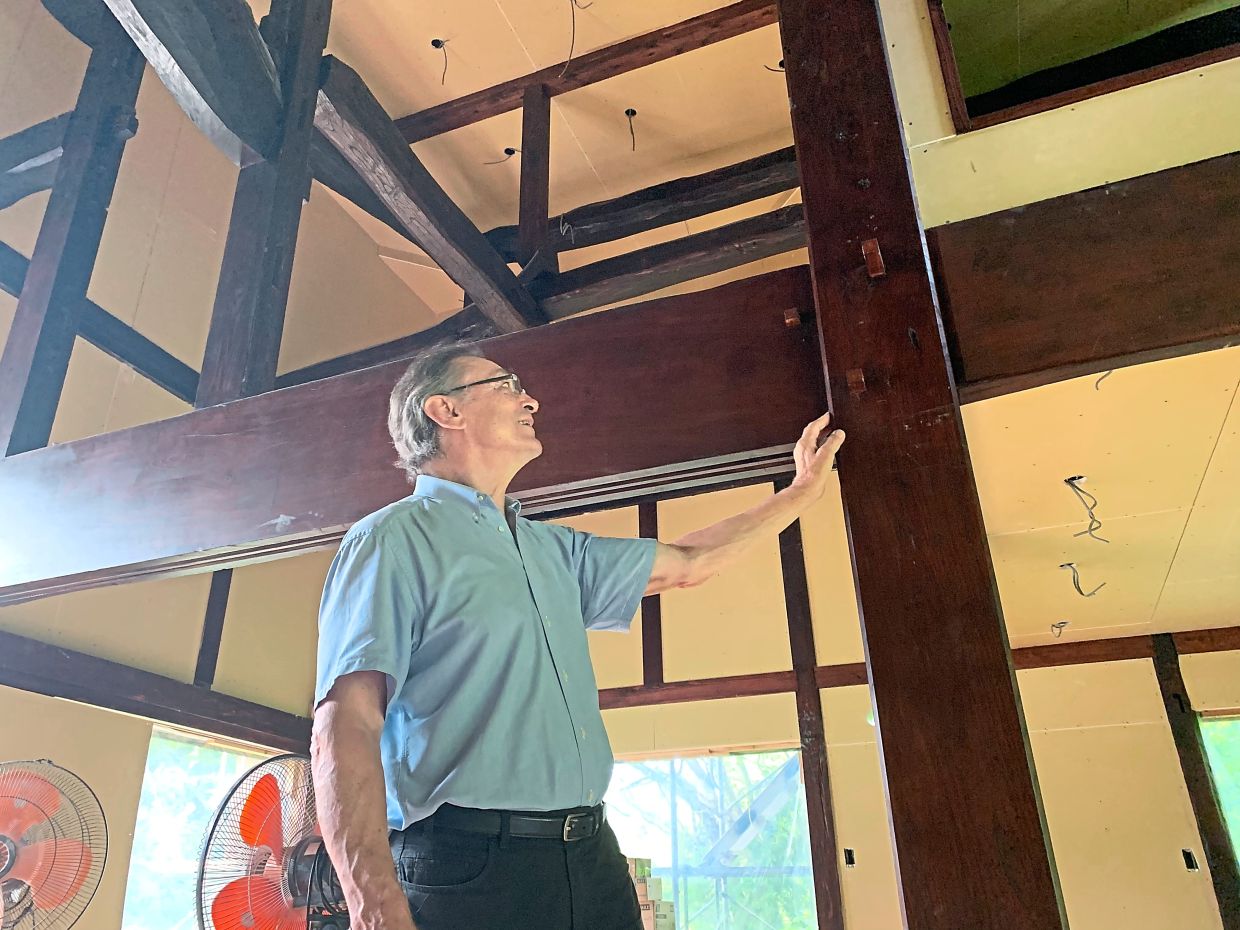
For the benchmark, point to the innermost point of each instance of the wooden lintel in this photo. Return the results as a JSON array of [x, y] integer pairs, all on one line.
[[211, 57], [350, 118], [591, 67], [63, 673]]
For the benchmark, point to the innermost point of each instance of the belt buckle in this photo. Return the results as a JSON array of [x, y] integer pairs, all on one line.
[[571, 821]]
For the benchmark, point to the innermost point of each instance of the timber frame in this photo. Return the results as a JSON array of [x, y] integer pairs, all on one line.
[[285, 113]]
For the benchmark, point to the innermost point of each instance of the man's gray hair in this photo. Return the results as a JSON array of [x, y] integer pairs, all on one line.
[[415, 435]]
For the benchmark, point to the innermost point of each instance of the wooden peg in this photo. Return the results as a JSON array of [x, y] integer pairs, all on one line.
[[792, 317], [873, 258]]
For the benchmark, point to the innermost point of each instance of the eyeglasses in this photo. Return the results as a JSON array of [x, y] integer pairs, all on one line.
[[512, 382]]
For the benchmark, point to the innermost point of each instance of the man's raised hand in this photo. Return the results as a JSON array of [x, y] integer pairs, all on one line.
[[814, 454]]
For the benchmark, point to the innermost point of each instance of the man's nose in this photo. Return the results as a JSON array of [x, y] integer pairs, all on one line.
[[530, 404]]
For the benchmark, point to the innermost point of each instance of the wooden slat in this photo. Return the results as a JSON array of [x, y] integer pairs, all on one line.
[[706, 689], [935, 642], [352, 120], [212, 629], [1216, 842], [40, 340], [652, 605], [210, 56], [598, 65], [247, 319], [948, 68], [153, 500], [535, 174], [76, 676], [674, 262], [1193, 641], [1083, 652]]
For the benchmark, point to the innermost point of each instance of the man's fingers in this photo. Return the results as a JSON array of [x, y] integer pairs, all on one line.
[[832, 443]]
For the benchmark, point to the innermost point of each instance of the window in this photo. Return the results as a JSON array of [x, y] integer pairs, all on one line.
[[186, 779], [1222, 739], [727, 834]]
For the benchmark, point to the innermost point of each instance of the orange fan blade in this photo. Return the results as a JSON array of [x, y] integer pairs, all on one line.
[[54, 869], [261, 823], [25, 800], [254, 903]]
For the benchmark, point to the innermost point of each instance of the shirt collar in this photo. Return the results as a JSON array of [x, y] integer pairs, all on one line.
[[443, 490]]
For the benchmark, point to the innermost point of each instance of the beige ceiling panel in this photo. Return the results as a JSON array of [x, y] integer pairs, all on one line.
[[8, 307], [1142, 439], [1101, 694], [19, 224], [15, 19], [1213, 680], [848, 717], [1036, 592], [89, 385], [43, 78], [828, 569], [136, 401], [736, 623], [1199, 605], [432, 286], [488, 194], [915, 70], [617, 657], [1211, 545], [202, 180]]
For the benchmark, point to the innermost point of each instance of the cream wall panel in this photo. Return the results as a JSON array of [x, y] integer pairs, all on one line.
[[828, 569], [1212, 679], [736, 623], [43, 69], [87, 393], [105, 750], [1085, 697], [731, 723]]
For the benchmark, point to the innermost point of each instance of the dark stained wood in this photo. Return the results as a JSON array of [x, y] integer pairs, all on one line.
[[34, 143], [210, 56], [222, 486], [106, 332], [936, 646], [212, 629], [659, 266], [20, 183], [1218, 640], [1083, 652], [1196, 43], [663, 204], [85, 21], [652, 605], [841, 676], [947, 66], [76, 676], [40, 340], [352, 120], [247, 320], [1076, 285], [535, 173], [704, 689], [823, 844], [598, 65], [1186, 731], [333, 171]]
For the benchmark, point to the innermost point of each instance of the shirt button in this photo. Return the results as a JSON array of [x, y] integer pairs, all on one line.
[[590, 796], [582, 731]]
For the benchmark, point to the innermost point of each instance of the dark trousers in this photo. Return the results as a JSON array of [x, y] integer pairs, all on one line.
[[470, 881]]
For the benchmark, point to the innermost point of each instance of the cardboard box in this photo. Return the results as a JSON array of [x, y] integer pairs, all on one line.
[[639, 868], [649, 889]]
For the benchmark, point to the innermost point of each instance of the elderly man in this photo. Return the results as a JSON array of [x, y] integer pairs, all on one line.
[[457, 727]]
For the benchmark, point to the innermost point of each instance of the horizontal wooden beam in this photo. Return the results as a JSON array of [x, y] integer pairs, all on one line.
[[152, 501], [674, 262], [351, 119], [663, 204], [598, 65], [63, 673], [35, 143], [333, 171], [211, 57], [118, 339]]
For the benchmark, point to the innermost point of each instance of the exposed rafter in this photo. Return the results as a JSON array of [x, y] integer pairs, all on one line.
[[30, 159]]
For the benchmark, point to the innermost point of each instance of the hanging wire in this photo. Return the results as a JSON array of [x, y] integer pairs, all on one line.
[[1057, 627], [509, 151], [442, 45], [1105, 375], [566, 229], [630, 113], [778, 69], [1090, 503], [573, 6], [1076, 581]]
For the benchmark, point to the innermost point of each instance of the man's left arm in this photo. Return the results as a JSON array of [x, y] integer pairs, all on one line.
[[698, 557]]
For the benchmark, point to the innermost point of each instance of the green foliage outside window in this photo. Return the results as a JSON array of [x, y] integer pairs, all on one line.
[[1222, 739]]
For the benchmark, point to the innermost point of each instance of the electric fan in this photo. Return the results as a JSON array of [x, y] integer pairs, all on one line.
[[263, 865], [53, 843]]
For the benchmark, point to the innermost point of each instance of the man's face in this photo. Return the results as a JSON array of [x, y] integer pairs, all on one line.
[[493, 417]]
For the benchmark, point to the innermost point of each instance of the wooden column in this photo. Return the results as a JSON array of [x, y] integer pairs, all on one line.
[[532, 238], [247, 322], [1186, 731], [823, 845], [40, 341], [212, 628], [652, 606], [971, 844]]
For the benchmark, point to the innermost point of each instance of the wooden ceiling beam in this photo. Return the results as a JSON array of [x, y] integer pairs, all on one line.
[[592, 67], [29, 159], [350, 118]]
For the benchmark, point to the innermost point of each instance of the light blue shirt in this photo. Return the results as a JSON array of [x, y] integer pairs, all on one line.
[[492, 701]]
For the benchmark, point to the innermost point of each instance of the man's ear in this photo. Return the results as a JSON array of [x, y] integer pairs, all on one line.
[[441, 409]]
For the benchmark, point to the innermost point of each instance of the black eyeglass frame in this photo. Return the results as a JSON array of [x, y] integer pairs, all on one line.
[[514, 384]]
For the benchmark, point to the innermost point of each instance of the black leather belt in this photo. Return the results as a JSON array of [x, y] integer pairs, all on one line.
[[567, 827]]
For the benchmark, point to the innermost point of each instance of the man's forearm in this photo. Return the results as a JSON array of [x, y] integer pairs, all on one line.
[[348, 782]]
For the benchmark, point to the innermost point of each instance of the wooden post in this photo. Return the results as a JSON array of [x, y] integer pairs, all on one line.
[[1186, 731], [40, 342], [652, 606], [247, 322], [212, 628], [970, 839], [823, 845], [532, 238]]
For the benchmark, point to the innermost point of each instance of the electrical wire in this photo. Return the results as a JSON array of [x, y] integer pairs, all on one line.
[[1076, 581], [573, 6], [1090, 503]]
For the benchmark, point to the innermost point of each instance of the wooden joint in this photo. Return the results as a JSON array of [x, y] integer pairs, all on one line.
[[874, 266], [792, 317], [856, 381]]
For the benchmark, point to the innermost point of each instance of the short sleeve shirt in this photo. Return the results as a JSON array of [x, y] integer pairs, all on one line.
[[481, 632]]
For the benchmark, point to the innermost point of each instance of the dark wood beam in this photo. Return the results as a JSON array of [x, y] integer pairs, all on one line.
[[1083, 652], [698, 689], [663, 204], [106, 332], [247, 320], [333, 171], [30, 159], [87, 22], [352, 120], [1186, 731], [652, 605], [62, 673], [823, 844], [674, 262], [214, 62], [40, 340], [950, 71], [598, 65], [936, 646], [152, 500], [1076, 285], [532, 239], [212, 629]]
